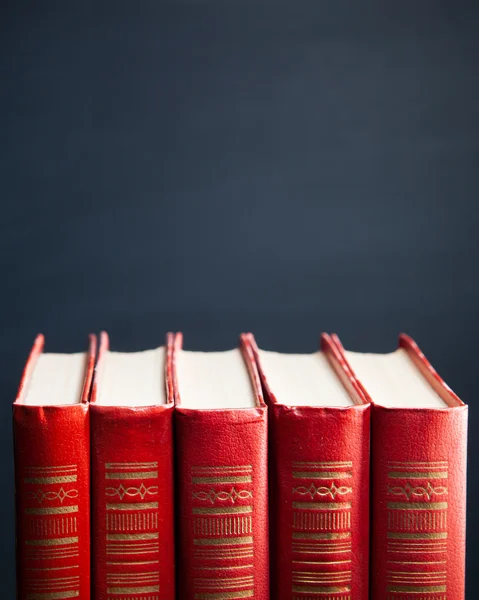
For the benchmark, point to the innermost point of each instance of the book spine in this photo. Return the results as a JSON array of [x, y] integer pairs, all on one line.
[[319, 500], [52, 484], [132, 512], [418, 503], [223, 516]]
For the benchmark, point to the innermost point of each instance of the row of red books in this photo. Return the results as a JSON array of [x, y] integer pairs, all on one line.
[[242, 474]]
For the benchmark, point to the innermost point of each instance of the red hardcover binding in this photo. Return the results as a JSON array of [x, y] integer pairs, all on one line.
[[222, 491], [319, 492], [52, 484], [132, 498], [418, 494]]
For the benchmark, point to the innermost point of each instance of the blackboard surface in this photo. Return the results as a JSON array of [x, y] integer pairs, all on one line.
[[219, 166]]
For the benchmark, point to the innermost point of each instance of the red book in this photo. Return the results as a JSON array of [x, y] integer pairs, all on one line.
[[132, 476], [221, 443], [418, 476], [319, 475], [52, 475]]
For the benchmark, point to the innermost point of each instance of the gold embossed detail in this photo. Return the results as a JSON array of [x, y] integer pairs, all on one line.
[[222, 495], [323, 491], [133, 506], [51, 480], [40, 496], [417, 505], [132, 536], [54, 595], [418, 475], [133, 475], [229, 525], [409, 491], [232, 541], [53, 541], [225, 595], [321, 474], [52, 510], [227, 479], [322, 505], [222, 510], [417, 529], [299, 535], [142, 491]]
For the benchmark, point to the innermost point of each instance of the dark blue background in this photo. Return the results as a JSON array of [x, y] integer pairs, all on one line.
[[219, 166]]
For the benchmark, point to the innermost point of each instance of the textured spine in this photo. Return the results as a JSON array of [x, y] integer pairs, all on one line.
[[132, 499], [419, 496], [52, 484], [319, 494], [222, 492]]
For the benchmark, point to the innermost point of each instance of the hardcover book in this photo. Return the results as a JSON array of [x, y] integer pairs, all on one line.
[[132, 476], [221, 436], [418, 496], [52, 475], [319, 423]]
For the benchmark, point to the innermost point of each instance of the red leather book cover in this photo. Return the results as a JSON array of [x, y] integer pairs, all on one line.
[[418, 494], [52, 485], [319, 492], [222, 497], [132, 497]]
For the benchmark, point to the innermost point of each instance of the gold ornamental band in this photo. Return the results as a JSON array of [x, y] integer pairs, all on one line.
[[147, 589], [133, 475], [131, 536], [418, 475], [417, 536], [50, 480], [53, 542], [321, 589], [321, 474], [132, 506], [417, 505], [54, 595], [297, 535], [415, 589], [223, 510], [224, 479], [225, 595], [322, 505], [54, 510], [233, 541]]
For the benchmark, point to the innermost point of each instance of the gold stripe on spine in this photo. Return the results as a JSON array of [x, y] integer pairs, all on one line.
[[321, 474], [417, 505], [51, 480], [417, 536], [54, 595], [53, 510], [331, 589], [222, 510], [413, 589], [322, 505], [418, 475], [222, 469], [136, 465], [133, 590], [53, 542], [225, 479], [132, 506], [133, 475], [132, 536], [225, 595], [233, 541]]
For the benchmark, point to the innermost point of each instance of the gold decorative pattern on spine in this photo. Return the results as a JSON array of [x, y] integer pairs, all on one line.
[[321, 528], [417, 530], [223, 531], [132, 530]]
